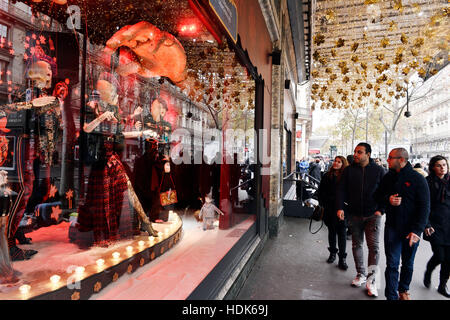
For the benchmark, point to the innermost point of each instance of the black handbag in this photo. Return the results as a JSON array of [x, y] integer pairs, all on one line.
[[317, 215]]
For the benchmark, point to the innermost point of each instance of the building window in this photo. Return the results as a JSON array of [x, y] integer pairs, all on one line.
[[3, 30], [3, 70]]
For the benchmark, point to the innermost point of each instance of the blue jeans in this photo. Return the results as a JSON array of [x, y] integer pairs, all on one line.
[[395, 246]]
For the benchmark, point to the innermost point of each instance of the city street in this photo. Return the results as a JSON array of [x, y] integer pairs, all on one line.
[[293, 266]]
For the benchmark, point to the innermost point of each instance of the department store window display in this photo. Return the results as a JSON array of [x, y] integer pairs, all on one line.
[[122, 138]]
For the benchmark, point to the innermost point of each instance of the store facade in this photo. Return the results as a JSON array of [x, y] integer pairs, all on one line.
[[137, 128]]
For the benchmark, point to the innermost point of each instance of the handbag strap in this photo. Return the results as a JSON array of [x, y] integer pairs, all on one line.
[[310, 224], [160, 186]]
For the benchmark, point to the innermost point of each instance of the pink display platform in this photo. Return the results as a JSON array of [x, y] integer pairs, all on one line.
[[155, 270]]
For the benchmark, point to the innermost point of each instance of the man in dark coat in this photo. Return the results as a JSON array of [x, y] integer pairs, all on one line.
[[356, 188], [404, 195]]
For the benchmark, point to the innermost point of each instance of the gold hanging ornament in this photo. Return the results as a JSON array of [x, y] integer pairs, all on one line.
[[404, 38], [392, 26], [340, 42], [398, 5], [368, 2], [316, 55], [419, 42], [319, 39], [422, 72], [330, 16], [380, 56], [413, 64], [384, 42], [323, 60]]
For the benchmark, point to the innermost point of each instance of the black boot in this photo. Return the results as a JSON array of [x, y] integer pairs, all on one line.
[[427, 278], [342, 263], [18, 254], [442, 289], [332, 256]]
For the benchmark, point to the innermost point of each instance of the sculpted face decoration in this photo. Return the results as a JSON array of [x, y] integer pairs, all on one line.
[[108, 92], [41, 74], [150, 52]]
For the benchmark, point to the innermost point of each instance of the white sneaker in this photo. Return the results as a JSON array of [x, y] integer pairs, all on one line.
[[371, 287], [359, 280]]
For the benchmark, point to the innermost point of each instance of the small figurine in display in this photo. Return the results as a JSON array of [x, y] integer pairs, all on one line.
[[207, 213]]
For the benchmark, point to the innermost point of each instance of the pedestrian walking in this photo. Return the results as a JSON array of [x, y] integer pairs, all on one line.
[[327, 199], [314, 171], [356, 188], [405, 198], [438, 227], [419, 169]]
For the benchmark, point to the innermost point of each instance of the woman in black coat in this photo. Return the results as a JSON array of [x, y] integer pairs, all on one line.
[[438, 228], [327, 199]]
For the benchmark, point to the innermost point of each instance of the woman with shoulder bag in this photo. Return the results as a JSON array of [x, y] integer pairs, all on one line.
[[438, 228], [336, 227]]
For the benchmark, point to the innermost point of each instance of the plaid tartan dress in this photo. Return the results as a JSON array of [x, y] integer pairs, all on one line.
[[107, 210]]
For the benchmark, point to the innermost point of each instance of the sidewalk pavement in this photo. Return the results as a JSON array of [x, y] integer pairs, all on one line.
[[293, 266]]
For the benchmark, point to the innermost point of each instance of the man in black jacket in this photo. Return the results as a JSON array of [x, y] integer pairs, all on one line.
[[405, 196], [356, 188]]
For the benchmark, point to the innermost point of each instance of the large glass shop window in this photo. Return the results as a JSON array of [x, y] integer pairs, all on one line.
[[148, 131]]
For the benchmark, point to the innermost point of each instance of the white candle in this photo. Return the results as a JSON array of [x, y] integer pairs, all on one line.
[[141, 243], [55, 279], [116, 255], [129, 249], [151, 239], [100, 262], [25, 289]]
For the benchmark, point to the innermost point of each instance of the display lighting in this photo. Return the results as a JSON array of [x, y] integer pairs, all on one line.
[[188, 28], [79, 270], [129, 249], [141, 243], [100, 262], [25, 289], [55, 279], [116, 255]]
